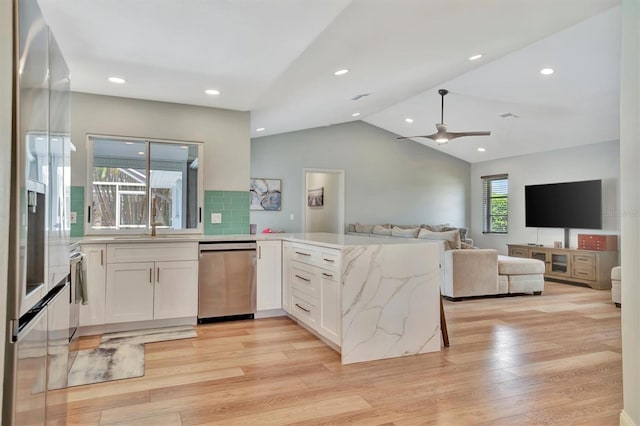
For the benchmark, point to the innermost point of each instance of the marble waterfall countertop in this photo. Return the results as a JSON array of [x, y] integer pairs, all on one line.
[[317, 238]]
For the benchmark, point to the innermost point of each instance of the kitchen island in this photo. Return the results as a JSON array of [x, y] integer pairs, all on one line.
[[369, 298]]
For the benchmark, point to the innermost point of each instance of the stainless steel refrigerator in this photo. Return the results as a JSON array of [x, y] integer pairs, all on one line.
[[38, 296]]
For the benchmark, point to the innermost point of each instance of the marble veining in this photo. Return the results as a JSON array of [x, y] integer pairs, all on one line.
[[390, 301]]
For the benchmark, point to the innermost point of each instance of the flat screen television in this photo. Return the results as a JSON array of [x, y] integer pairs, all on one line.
[[564, 205]]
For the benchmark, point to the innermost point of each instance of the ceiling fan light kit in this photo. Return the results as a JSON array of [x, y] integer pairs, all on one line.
[[443, 136]]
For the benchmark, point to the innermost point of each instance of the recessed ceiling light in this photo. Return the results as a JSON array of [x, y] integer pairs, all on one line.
[[116, 80], [341, 72], [355, 114], [481, 150], [212, 92], [546, 71], [129, 143], [408, 120], [140, 152], [184, 147], [260, 129], [475, 57]]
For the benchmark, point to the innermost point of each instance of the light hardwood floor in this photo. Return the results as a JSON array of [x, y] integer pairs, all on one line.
[[549, 359]]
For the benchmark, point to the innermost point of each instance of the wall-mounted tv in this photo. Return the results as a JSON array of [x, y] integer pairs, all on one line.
[[564, 205]]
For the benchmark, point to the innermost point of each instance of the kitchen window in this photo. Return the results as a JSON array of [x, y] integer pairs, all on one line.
[[495, 204], [136, 183]]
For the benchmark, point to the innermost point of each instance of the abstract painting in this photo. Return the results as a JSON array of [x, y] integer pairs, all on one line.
[[265, 194], [315, 197]]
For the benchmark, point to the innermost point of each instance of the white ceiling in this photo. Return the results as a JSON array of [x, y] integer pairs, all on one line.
[[276, 58]]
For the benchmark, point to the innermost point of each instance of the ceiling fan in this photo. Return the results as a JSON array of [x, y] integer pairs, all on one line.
[[442, 136]]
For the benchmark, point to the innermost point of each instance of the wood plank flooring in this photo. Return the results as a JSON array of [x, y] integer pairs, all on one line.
[[549, 359]]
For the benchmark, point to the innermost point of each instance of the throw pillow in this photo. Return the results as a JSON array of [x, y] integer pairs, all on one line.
[[451, 238], [381, 230], [462, 231], [364, 229], [407, 226], [464, 245], [437, 228], [351, 227], [405, 233]]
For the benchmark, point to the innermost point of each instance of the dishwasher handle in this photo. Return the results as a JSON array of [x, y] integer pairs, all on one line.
[[227, 246]]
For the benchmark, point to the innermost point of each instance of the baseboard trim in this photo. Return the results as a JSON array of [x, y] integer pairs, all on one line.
[[136, 325], [268, 313], [625, 420]]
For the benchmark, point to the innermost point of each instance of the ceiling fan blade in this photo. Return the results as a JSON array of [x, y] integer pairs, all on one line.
[[418, 136], [453, 135]]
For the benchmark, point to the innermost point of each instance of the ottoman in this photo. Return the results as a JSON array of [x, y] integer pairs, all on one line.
[[522, 275], [616, 281]]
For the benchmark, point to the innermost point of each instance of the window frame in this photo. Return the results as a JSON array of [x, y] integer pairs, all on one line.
[[146, 230], [487, 201]]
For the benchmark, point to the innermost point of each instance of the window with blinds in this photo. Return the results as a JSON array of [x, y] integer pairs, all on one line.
[[495, 204]]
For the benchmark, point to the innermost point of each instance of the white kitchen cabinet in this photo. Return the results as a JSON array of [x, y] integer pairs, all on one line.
[[140, 287], [269, 275], [130, 291], [330, 309], [93, 313], [175, 295], [286, 280], [312, 281]]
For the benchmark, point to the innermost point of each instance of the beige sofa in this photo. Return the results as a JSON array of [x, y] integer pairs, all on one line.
[[482, 272], [616, 285], [467, 272]]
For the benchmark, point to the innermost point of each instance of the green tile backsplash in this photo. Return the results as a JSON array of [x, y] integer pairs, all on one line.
[[234, 206], [77, 205]]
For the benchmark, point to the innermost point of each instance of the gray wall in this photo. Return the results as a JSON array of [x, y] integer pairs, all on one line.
[[386, 180], [225, 133], [597, 161]]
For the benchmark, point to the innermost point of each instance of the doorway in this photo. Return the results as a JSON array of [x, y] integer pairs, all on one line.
[[323, 201]]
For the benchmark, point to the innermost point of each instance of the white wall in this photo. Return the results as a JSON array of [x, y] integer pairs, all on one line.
[[6, 101], [630, 208], [225, 133], [597, 161], [386, 180], [324, 218]]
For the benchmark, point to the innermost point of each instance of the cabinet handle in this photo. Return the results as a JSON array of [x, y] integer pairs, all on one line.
[[303, 254], [328, 260], [303, 278], [259, 252], [158, 278], [101, 257], [151, 275], [304, 309], [327, 275]]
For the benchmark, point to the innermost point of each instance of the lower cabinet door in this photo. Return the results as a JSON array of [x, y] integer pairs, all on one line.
[[129, 295], [176, 290], [330, 306]]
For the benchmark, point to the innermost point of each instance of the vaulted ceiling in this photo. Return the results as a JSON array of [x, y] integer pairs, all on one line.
[[277, 58]]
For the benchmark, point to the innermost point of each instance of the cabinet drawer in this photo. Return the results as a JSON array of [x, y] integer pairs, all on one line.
[[151, 252], [305, 254], [329, 259], [518, 252], [584, 259], [584, 273], [305, 308], [304, 278]]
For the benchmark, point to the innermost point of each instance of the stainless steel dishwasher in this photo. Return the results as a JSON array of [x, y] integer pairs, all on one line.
[[226, 281]]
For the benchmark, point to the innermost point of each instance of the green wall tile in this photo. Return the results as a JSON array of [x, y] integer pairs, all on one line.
[[77, 205], [234, 206]]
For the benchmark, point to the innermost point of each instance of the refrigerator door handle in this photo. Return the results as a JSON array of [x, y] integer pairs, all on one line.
[[13, 330]]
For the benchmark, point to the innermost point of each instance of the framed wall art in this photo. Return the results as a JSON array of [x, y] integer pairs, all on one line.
[[265, 194], [315, 197]]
